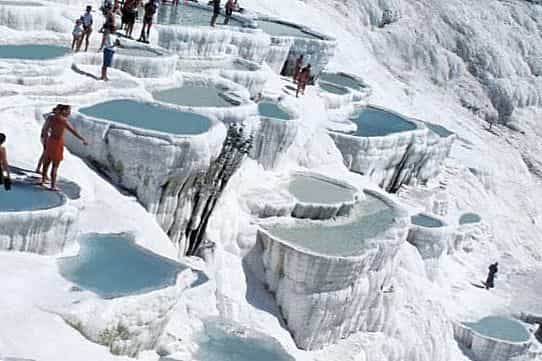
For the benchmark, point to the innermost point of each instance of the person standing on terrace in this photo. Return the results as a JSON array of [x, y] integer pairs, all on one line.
[[229, 11], [43, 135], [216, 12], [54, 146], [4, 166], [129, 15], [297, 67], [150, 10], [87, 25], [303, 79]]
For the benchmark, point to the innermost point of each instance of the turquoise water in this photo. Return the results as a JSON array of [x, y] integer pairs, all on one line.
[[279, 29], [315, 190], [194, 96], [426, 221], [19, 3], [33, 52], [28, 197], [272, 110], [189, 15], [339, 238], [334, 89], [149, 116], [373, 122], [112, 265], [501, 328], [439, 130], [341, 80], [224, 341], [469, 218]]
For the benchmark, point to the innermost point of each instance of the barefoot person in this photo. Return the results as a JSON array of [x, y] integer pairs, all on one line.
[[54, 146], [43, 135], [87, 26], [297, 67], [77, 34], [303, 79], [216, 12], [150, 10], [229, 11], [4, 166], [109, 53], [130, 13]]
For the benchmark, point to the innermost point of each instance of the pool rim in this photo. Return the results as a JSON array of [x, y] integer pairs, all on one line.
[[356, 78], [444, 224], [316, 36], [356, 193], [460, 324], [469, 223], [278, 102], [65, 202]]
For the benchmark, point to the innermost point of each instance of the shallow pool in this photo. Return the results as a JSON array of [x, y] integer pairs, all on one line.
[[426, 221], [501, 328], [280, 29], [332, 88], [468, 218], [112, 265], [225, 341], [193, 96], [19, 3], [272, 110], [189, 15], [28, 197], [373, 122], [439, 129], [149, 116], [345, 237], [310, 189], [33, 51], [341, 80]]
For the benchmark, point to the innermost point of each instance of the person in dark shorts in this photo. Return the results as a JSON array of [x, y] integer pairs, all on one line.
[[216, 12], [229, 11], [130, 14], [109, 52], [150, 10], [87, 26]]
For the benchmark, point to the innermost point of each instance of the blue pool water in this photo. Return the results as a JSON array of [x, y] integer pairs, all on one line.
[[272, 110], [19, 3], [343, 237], [28, 197], [439, 129], [149, 116], [275, 28], [112, 265], [426, 221], [183, 14], [373, 122], [341, 80], [469, 218], [225, 341], [33, 51], [310, 189], [500, 328], [194, 96], [332, 88]]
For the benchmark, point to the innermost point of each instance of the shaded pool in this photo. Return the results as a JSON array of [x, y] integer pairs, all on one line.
[[426, 221], [332, 88], [183, 14], [276, 28], [272, 110], [341, 79], [373, 122], [468, 218], [33, 51], [501, 328], [311, 189], [439, 129], [29, 197], [225, 341], [112, 265], [149, 116], [344, 237], [194, 96]]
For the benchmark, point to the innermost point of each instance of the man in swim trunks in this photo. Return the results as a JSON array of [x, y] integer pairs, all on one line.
[[87, 26], [150, 10], [54, 144], [216, 12]]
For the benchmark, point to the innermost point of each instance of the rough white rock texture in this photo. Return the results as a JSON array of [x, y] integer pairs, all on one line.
[[326, 298], [278, 53], [42, 231], [253, 78], [395, 159], [138, 60], [131, 324], [272, 140], [465, 236], [486, 348], [34, 16]]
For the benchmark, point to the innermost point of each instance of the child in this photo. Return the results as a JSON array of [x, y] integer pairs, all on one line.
[[77, 35], [109, 52]]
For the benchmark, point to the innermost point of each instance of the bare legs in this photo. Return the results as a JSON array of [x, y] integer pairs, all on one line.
[[46, 163], [86, 36], [213, 20], [144, 37]]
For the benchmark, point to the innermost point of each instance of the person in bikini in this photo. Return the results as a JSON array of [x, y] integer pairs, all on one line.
[[54, 144], [43, 135]]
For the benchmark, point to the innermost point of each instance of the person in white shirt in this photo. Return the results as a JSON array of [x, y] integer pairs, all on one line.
[[87, 26], [109, 52], [77, 34]]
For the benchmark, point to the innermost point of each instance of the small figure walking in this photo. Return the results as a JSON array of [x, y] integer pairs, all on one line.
[[87, 26], [150, 10], [297, 67], [493, 269], [302, 80], [216, 12], [4, 166]]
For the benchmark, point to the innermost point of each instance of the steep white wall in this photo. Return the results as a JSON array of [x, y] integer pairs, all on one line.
[[35, 18]]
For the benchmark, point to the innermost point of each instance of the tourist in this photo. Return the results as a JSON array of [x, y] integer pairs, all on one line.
[[54, 146], [216, 12], [108, 53], [4, 166], [303, 79], [129, 15], [229, 11], [77, 34], [106, 6], [150, 10], [87, 26], [237, 7], [297, 67], [44, 134], [493, 269]]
